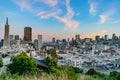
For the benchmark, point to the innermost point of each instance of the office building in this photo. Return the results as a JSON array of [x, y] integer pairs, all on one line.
[[53, 40], [27, 34], [12, 40], [97, 38], [114, 37], [16, 37], [106, 37], [11, 37], [39, 41], [36, 44], [77, 38]]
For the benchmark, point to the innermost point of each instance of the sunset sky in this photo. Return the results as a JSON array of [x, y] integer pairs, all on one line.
[[61, 18]]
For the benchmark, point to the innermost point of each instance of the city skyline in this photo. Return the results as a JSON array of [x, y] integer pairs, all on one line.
[[61, 18]]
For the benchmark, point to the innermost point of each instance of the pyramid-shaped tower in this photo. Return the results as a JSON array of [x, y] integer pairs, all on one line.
[[6, 35]]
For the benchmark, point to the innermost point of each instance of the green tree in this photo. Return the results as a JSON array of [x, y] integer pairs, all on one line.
[[53, 53], [101, 75], [52, 64], [118, 76], [70, 72], [4, 76], [22, 64], [1, 62], [91, 72], [78, 70], [114, 74]]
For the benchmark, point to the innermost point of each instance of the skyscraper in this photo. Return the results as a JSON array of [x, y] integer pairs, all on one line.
[[16, 37], [27, 34], [97, 38], [6, 35], [53, 40], [36, 44], [39, 41], [105, 37], [114, 37], [11, 37], [11, 40], [77, 38]]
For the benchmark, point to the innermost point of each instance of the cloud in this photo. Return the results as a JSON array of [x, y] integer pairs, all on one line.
[[67, 19], [69, 23], [46, 15], [103, 18], [50, 3], [93, 8], [23, 4], [70, 12], [106, 16]]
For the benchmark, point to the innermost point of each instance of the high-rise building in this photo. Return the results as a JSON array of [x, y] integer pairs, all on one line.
[[53, 40], [16, 37], [36, 44], [11, 37], [97, 38], [77, 38], [27, 34], [119, 37], [11, 40], [73, 41], [64, 40], [68, 42], [6, 35], [39, 41], [106, 37], [88, 40], [1, 43], [114, 37]]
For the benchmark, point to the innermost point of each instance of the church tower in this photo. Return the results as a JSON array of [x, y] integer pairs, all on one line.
[[6, 35]]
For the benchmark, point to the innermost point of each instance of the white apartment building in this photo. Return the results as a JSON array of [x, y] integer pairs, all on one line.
[[74, 62]]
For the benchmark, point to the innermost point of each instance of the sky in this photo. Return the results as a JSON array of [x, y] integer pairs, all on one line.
[[61, 18]]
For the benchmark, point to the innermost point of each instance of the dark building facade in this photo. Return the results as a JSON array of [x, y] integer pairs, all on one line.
[[27, 34], [16, 37], [77, 38], [53, 40], [97, 38]]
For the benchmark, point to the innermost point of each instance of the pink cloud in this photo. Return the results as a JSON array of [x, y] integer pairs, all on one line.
[[103, 18], [93, 8], [106, 16], [45, 15], [67, 19], [50, 3], [23, 4], [67, 22]]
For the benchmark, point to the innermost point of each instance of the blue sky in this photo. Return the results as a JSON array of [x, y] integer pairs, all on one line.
[[61, 18]]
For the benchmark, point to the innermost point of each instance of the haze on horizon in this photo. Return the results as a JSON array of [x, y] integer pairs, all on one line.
[[61, 18]]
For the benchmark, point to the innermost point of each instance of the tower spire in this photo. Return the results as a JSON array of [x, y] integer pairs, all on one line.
[[6, 43], [7, 21]]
